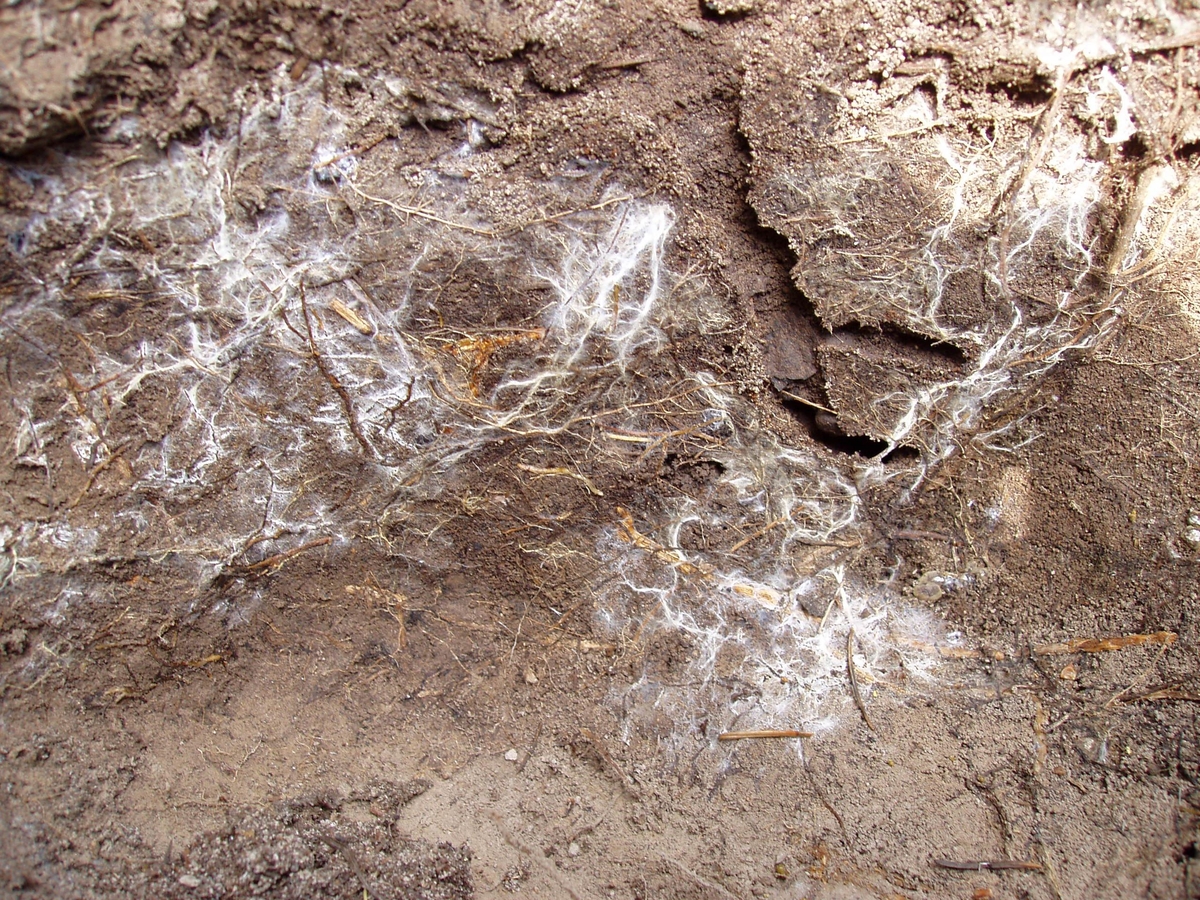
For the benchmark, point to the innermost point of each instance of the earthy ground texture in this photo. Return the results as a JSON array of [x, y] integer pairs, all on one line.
[[430, 428]]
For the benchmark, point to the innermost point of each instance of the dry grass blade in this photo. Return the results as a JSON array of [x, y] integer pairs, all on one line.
[[1105, 645], [628, 532], [407, 211], [539, 858], [1187, 39], [984, 865], [764, 734], [751, 537], [473, 353]]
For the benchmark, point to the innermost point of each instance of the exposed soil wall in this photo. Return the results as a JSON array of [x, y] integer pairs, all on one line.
[[433, 432]]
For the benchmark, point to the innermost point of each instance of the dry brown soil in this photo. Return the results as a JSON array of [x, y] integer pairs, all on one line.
[[264, 634]]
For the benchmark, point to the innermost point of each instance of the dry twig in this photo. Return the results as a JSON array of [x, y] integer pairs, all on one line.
[[352, 858], [278, 559], [1165, 695], [598, 745], [854, 691], [96, 470], [766, 733], [338, 387]]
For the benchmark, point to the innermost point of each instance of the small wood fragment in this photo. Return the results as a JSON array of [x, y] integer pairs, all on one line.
[[351, 316], [299, 67], [767, 733], [631, 63], [984, 865], [916, 534], [190, 663], [1104, 645]]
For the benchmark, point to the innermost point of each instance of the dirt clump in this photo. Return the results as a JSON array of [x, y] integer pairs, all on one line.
[[428, 428]]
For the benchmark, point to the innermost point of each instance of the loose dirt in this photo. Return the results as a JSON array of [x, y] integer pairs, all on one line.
[[429, 426]]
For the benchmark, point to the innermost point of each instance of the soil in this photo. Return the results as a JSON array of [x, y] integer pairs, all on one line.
[[429, 426]]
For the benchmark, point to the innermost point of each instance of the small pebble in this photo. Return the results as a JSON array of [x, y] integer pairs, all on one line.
[[190, 881], [511, 755], [730, 7], [928, 588], [573, 849], [530, 678]]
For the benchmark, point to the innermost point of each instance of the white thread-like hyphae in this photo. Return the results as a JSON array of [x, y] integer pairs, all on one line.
[[1050, 211], [769, 638], [765, 613], [608, 288], [1034, 195], [595, 290], [220, 282], [275, 248], [246, 276]]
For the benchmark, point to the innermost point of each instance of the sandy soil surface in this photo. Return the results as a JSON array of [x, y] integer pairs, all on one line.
[[433, 431]]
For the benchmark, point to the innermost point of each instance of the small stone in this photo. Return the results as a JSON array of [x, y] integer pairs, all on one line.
[[511, 755], [1069, 672], [190, 881], [573, 849], [1192, 536], [730, 7], [928, 588], [530, 677]]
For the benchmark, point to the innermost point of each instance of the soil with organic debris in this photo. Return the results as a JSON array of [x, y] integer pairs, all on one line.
[[429, 427]]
